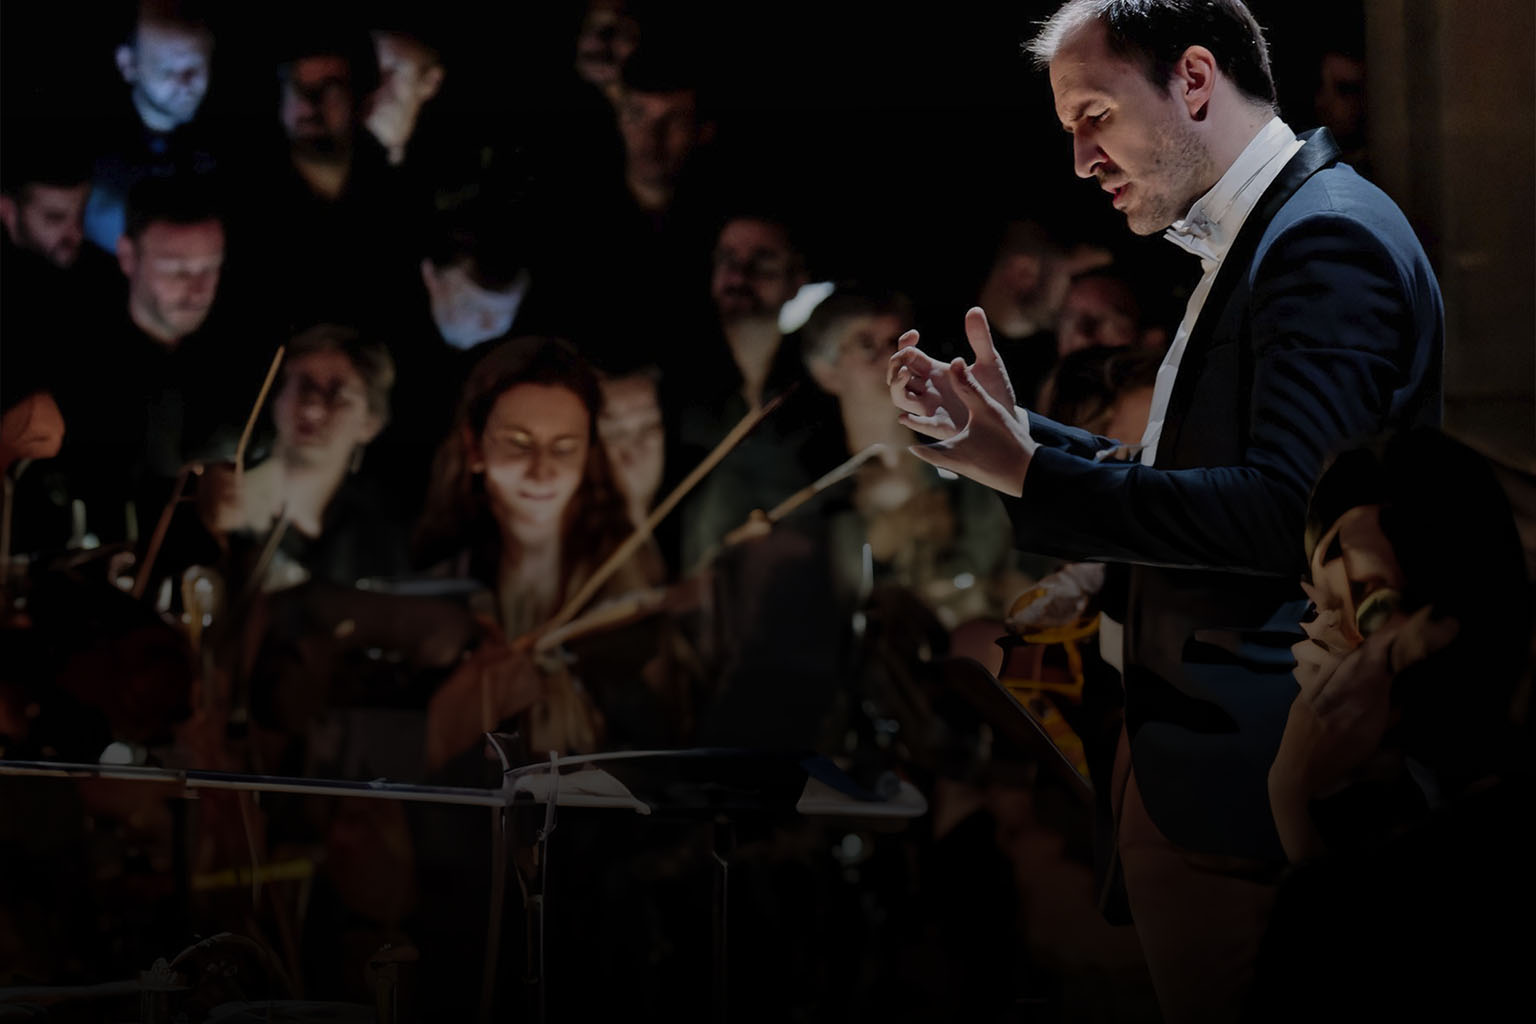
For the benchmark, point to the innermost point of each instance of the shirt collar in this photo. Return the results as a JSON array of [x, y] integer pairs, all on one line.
[[1211, 224]]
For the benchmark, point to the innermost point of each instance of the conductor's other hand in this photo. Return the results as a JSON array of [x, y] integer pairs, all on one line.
[[921, 387], [968, 408]]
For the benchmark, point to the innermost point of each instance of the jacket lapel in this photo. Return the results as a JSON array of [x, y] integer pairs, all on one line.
[[1317, 152]]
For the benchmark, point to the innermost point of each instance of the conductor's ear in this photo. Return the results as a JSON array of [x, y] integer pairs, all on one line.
[[1194, 80]]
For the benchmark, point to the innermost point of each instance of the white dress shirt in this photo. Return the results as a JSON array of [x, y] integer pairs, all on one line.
[[1207, 231]]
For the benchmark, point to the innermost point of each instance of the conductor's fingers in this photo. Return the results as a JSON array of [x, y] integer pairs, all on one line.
[[941, 455], [919, 401], [938, 426], [912, 358], [971, 392], [979, 334]]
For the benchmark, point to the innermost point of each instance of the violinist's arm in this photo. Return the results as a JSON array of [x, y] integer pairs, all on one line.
[[492, 684]]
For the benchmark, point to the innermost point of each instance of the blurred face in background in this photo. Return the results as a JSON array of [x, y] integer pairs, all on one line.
[[465, 312], [321, 412], [410, 74], [1129, 415], [1098, 312], [660, 131], [608, 35], [1340, 99], [533, 453], [755, 271], [48, 220], [630, 427], [173, 273], [167, 66], [855, 360], [317, 107]]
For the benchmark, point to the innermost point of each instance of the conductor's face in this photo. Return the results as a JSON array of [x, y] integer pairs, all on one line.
[[1135, 138]]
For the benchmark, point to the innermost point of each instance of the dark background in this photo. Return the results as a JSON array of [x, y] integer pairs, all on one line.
[[901, 135]]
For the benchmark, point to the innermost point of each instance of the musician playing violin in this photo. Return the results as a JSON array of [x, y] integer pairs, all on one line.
[[523, 500], [332, 400]]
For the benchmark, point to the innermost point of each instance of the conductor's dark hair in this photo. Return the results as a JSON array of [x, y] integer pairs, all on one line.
[[1155, 34]]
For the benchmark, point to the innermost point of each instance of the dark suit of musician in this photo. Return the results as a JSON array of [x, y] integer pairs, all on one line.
[[1323, 325]]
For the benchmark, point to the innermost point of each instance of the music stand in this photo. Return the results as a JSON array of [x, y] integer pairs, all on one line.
[[497, 800], [722, 786]]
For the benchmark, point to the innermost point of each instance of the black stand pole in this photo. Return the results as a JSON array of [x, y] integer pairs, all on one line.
[[724, 843], [498, 901]]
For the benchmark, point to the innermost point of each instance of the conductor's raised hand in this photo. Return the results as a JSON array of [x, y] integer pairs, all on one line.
[[993, 447], [923, 389], [988, 368]]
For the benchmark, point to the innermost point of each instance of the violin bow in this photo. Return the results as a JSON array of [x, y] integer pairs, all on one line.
[[164, 523], [840, 473], [643, 532], [758, 521], [250, 421], [156, 539]]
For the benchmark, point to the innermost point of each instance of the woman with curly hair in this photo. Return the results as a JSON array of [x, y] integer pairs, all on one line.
[[523, 501]]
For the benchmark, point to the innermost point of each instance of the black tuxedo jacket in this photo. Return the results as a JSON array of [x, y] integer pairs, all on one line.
[[1324, 325]]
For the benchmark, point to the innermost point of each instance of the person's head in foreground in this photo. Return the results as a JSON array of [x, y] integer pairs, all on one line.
[[1419, 639]]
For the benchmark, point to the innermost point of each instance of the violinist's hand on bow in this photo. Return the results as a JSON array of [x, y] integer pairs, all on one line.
[[494, 682], [221, 499], [969, 409]]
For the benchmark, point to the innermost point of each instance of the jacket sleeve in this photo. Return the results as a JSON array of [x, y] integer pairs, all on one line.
[[1332, 336], [1050, 434]]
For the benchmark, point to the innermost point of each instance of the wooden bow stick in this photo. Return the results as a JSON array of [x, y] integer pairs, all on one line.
[[608, 615], [631, 607], [758, 523], [632, 543], [164, 523], [810, 491], [250, 421]]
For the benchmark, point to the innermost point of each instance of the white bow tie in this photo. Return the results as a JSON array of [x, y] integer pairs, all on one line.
[[1194, 237]]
